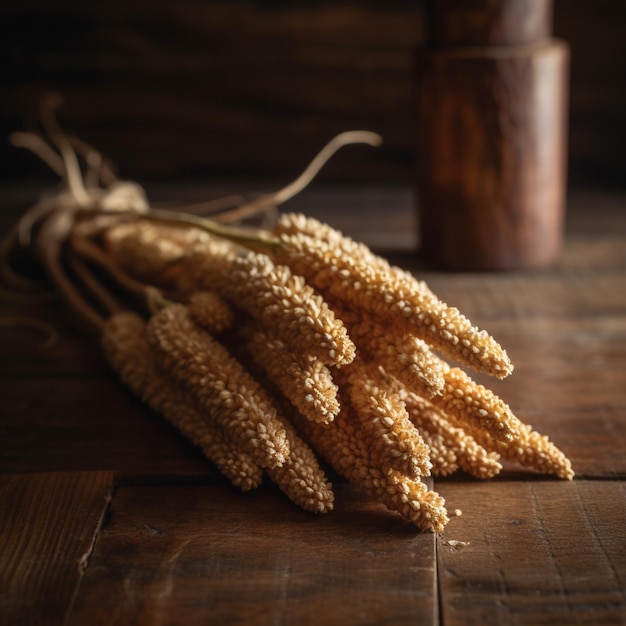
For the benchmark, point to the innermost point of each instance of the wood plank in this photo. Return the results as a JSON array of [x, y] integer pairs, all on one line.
[[85, 424], [522, 297], [210, 555], [38, 339], [48, 523], [569, 384], [539, 552]]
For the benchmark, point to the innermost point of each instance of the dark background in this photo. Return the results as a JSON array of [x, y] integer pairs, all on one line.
[[200, 90]]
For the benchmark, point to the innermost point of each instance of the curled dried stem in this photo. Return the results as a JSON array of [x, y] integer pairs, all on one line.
[[72, 171], [48, 244], [300, 183], [99, 170], [92, 284], [88, 250]]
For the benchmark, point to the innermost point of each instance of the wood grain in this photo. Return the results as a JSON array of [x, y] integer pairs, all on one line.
[[48, 523], [208, 555], [537, 553]]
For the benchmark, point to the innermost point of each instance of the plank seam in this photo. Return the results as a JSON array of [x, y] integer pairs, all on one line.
[[83, 562]]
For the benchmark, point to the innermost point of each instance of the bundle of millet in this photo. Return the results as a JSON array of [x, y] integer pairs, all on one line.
[[277, 351]]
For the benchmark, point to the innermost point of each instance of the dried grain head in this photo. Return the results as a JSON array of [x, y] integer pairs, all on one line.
[[393, 298], [285, 304], [218, 384]]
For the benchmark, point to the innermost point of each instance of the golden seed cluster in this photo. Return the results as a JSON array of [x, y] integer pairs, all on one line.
[[126, 347], [211, 311], [218, 384], [168, 256], [403, 356], [306, 382], [348, 450], [283, 302], [468, 454], [473, 407], [391, 295], [383, 419]]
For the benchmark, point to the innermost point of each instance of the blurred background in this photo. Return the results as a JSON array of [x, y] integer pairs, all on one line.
[[204, 90]]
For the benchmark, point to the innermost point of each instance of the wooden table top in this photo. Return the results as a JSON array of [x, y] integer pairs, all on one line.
[[108, 516]]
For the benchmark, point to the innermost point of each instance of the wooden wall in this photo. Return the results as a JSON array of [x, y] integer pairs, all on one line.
[[227, 88]]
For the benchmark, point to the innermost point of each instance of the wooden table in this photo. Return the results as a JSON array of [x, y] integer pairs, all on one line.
[[108, 516]]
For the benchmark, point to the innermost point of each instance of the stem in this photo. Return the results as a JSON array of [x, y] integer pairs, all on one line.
[[251, 240], [218, 205], [50, 238], [35, 214], [108, 301], [156, 300], [73, 174], [296, 186], [92, 253], [98, 166]]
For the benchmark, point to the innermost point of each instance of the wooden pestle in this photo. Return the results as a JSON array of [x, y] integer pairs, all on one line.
[[492, 90]]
